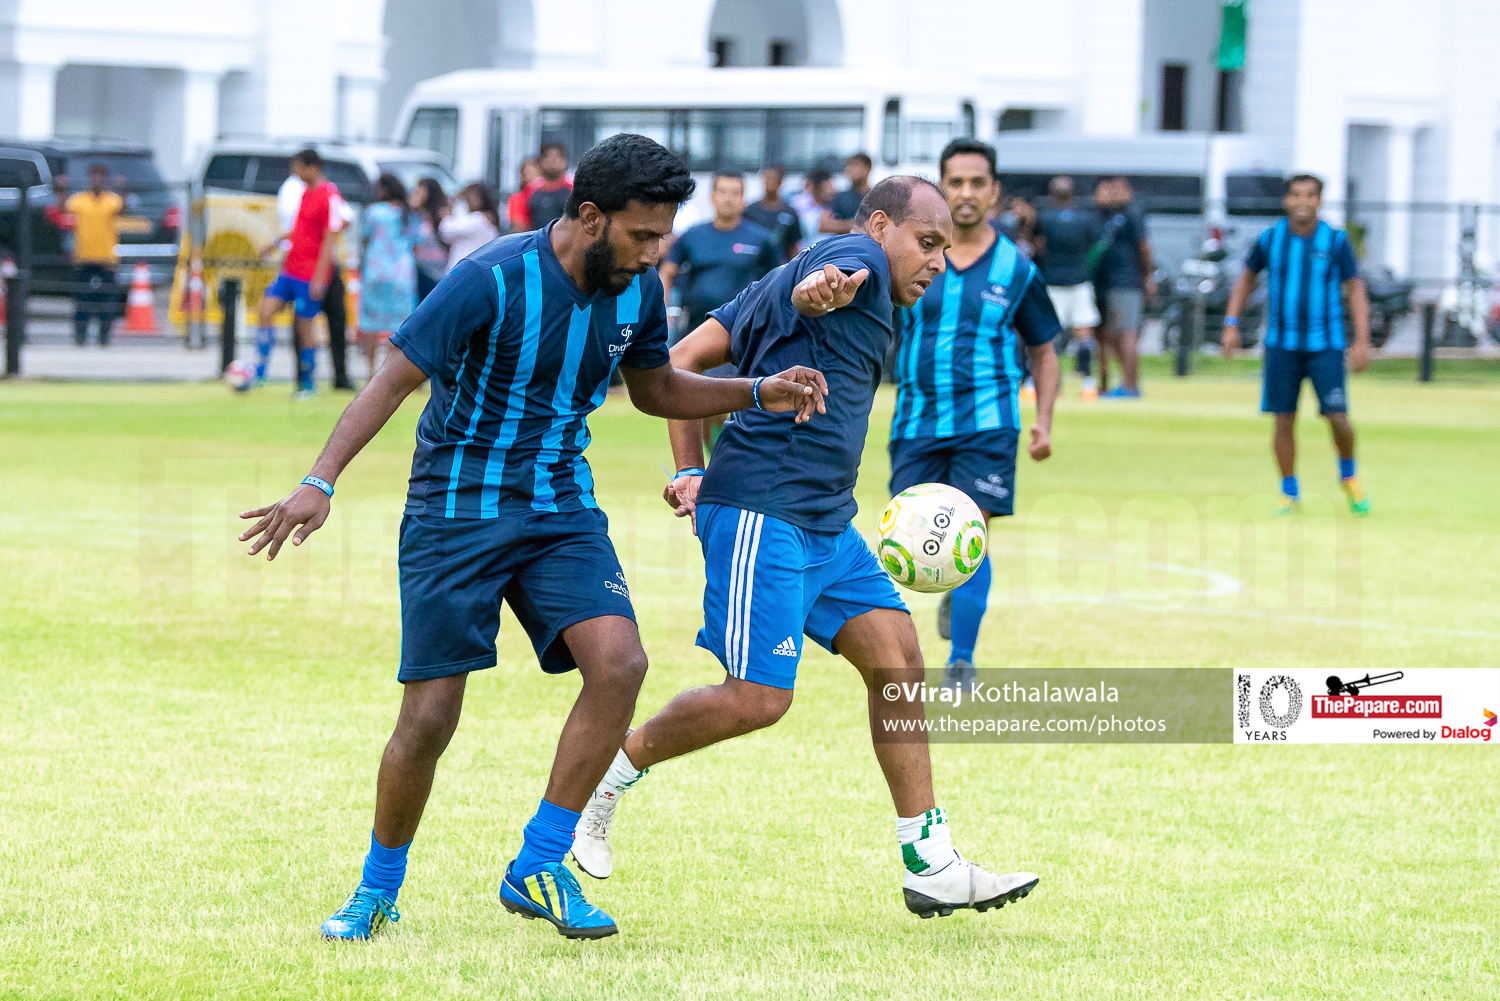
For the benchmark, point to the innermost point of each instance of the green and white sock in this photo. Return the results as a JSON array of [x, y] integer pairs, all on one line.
[[926, 844], [622, 774]]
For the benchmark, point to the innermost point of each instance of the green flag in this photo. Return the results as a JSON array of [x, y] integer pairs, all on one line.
[[1232, 36]]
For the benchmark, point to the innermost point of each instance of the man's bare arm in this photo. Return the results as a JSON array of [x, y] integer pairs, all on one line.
[[1229, 340], [308, 506], [1359, 308], [1044, 378]]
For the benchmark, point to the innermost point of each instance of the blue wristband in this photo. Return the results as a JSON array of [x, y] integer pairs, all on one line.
[[755, 392], [689, 471], [1231, 321], [320, 483]]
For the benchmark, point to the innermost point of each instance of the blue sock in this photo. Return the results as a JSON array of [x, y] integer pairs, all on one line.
[[265, 339], [1289, 486], [307, 364], [1346, 468], [970, 599], [547, 838], [385, 868]]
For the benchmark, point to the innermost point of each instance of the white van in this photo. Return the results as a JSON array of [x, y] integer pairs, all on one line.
[[484, 122]]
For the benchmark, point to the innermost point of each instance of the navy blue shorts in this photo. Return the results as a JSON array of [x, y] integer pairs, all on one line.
[[770, 583], [1284, 370], [553, 569], [298, 293], [980, 463]]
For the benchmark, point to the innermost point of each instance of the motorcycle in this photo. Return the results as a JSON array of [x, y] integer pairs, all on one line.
[[1204, 283], [1390, 302]]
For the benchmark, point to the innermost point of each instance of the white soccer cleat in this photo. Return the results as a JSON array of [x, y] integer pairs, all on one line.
[[962, 884], [591, 836]]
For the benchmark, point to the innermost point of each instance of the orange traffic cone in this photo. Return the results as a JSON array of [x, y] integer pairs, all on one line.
[[140, 306], [192, 307]]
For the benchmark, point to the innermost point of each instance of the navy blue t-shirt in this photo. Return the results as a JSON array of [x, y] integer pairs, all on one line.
[[764, 462], [518, 358], [783, 223], [1070, 234], [1120, 266], [718, 264], [845, 204]]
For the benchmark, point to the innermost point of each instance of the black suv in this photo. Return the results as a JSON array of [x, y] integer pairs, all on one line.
[[153, 209]]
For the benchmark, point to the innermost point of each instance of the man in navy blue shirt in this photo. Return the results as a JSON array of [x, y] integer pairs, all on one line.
[[776, 215], [714, 261], [1124, 280], [519, 342], [958, 377], [782, 560], [1065, 235], [1310, 267]]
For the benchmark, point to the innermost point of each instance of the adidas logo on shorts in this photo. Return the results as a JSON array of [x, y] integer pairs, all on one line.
[[786, 648]]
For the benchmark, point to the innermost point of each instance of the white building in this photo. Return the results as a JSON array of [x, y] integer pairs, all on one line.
[[1390, 101]]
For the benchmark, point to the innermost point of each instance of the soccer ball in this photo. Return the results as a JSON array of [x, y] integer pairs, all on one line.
[[239, 376], [932, 537]]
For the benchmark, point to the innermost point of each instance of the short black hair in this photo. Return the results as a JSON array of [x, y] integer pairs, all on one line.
[[958, 147], [818, 175], [1313, 179], [863, 158], [551, 144], [726, 175], [893, 197], [309, 158], [629, 168]]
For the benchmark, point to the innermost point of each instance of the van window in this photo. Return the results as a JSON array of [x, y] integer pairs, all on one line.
[[970, 120], [925, 140], [267, 174], [1253, 194], [353, 183], [226, 171], [435, 129], [890, 140]]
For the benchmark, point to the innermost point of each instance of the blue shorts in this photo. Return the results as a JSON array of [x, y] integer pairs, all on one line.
[[553, 569], [1284, 370], [298, 293], [980, 463], [770, 583]]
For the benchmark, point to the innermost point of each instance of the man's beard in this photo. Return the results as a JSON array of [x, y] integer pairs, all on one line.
[[599, 271]]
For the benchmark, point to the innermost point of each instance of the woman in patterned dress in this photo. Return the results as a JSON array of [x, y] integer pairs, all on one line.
[[388, 277]]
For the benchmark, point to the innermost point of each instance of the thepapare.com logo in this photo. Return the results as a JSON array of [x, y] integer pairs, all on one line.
[[1278, 704]]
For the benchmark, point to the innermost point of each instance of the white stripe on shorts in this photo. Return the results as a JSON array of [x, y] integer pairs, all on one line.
[[749, 596], [731, 620]]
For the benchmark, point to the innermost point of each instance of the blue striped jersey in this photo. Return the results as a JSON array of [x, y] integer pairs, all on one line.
[[518, 358], [958, 369], [1304, 305]]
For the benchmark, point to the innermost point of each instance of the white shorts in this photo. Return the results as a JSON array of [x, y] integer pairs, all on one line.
[[1075, 305]]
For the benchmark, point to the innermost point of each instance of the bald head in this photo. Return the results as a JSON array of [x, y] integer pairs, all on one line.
[[909, 218]]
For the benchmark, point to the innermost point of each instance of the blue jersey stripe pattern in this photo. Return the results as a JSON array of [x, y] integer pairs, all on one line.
[[518, 357], [958, 368], [1305, 276]]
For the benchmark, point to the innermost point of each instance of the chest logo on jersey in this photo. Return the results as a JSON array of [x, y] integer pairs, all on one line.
[[744, 248], [619, 348], [996, 295]]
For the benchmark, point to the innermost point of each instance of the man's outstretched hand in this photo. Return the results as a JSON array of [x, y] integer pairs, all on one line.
[[824, 291], [799, 388], [306, 506]]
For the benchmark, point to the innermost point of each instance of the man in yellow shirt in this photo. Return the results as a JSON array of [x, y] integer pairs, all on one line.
[[96, 217]]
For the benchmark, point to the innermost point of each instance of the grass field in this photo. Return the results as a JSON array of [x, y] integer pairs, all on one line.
[[188, 737]]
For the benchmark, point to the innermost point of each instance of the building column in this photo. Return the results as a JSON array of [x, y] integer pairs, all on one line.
[[36, 100], [1400, 153]]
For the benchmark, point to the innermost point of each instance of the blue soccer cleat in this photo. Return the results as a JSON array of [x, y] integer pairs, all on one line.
[[553, 893], [365, 912]]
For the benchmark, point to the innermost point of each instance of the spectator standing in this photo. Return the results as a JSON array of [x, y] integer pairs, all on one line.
[[811, 202], [1123, 280], [430, 203], [1065, 235], [776, 215], [839, 217], [516, 211], [473, 224], [548, 200], [96, 231], [388, 276], [719, 259], [334, 304]]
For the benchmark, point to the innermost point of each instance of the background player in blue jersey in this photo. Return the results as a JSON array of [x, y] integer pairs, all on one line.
[[958, 373], [782, 560], [519, 342], [716, 260], [1310, 267]]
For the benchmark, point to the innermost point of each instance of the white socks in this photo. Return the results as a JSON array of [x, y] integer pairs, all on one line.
[[622, 774], [926, 844]]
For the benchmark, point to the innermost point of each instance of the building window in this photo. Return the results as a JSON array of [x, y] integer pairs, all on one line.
[[1174, 97], [780, 54], [1016, 120], [1228, 116], [722, 50]]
